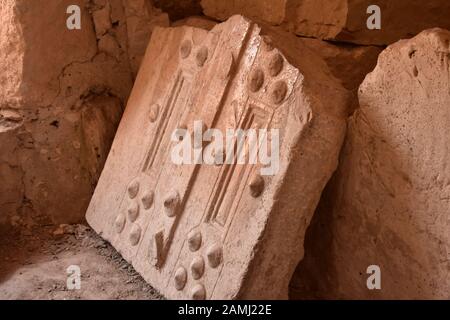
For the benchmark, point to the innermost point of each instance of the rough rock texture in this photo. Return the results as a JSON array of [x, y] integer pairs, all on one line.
[[179, 9], [61, 97], [349, 64], [346, 20], [141, 18], [388, 204], [220, 231], [195, 21], [271, 11], [342, 20]]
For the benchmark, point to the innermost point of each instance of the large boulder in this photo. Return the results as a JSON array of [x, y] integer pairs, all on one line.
[[388, 204]]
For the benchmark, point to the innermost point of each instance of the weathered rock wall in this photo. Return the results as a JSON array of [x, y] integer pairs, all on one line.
[[62, 94], [61, 98], [340, 20]]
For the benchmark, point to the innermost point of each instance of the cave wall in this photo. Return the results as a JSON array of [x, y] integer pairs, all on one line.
[[62, 94]]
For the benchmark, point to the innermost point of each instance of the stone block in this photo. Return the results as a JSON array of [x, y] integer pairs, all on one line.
[[205, 231], [388, 204]]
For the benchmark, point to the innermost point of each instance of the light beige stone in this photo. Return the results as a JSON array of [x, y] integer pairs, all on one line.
[[220, 231], [341, 20], [349, 64], [388, 204]]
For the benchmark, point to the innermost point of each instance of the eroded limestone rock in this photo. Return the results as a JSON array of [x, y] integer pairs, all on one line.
[[202, 231], [388, 204]]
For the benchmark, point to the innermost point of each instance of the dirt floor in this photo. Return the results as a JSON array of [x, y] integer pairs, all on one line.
[[34, 265]]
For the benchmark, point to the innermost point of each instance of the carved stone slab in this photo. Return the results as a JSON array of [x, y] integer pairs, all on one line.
[[203, 231]]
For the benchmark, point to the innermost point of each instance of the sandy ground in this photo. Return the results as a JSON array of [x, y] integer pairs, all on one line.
[[34, 266]]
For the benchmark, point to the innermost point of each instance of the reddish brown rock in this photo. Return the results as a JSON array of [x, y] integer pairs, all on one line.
[[62, 93], [141, 19], [220, 231], [388, 204], [346, 20], [195, 21], [270, 11], [341, 20], [349, 64], [179, 9]]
